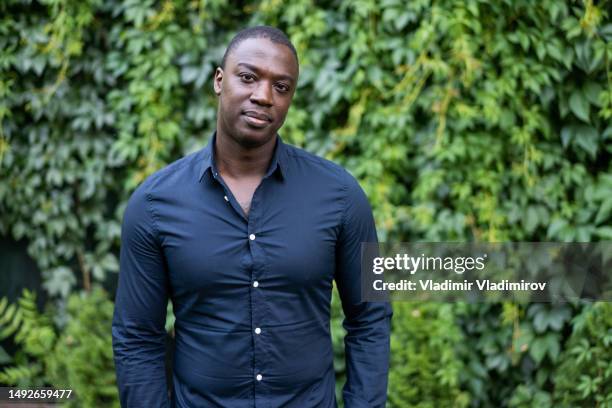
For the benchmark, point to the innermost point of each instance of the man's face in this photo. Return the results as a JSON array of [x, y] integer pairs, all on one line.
[[255, 90]]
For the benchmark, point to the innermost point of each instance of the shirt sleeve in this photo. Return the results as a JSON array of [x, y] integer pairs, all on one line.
[[367, 323], [140, 310]]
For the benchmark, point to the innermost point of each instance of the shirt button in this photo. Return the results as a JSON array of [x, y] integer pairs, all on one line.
[[255, 284], [259, 377], [225, 198], [257, 330], [252, 237]]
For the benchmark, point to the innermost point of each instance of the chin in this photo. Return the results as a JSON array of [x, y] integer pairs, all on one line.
[[252, 138]]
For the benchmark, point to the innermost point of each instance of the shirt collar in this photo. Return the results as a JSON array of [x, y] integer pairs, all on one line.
[[278, 164]]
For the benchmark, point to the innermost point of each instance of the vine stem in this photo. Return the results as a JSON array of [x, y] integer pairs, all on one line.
[[84, 271]]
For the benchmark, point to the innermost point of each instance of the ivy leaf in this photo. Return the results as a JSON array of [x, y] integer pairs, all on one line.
[[592, 90], [584, 56], [604, 211], [585, 385], [538, 350], [558, 316], [403, 19], [566, 136], [4, 357], [189, 74], [19, 230], [604, 232], [531, 219], [606, 32], [553, 346], [587, 139], [110, 263], [555, 227], [579, 105], [59, 281]]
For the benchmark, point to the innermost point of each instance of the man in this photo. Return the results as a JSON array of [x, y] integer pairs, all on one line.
[[246, 237]]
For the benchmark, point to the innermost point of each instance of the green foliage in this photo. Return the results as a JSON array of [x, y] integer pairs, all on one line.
[[463, 120], [512, 351], [82, 358], [424, 364], [469, 120], [30, 330], [78, 356], [584, 376], [338, 333]]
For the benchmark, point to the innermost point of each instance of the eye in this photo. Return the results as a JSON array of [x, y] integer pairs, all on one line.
[[246, 77], [282, 88]]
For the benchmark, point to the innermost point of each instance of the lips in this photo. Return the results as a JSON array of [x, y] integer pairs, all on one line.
[[257, 119], [257, 115]]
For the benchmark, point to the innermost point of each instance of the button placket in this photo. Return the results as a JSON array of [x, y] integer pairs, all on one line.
[[259, 306]]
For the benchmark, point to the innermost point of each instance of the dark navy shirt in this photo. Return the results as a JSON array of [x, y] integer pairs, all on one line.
[[251, 295]]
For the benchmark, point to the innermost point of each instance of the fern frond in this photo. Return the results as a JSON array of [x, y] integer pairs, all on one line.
[[10, 319], [30, 329], [3, 306], [20, 374], [25, 323], [14, 320]]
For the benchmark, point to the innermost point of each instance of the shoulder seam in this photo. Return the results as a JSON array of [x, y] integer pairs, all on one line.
[[345, 188], [303, 154], [148, 185], [182, 162], [149, 198], [299, 153]]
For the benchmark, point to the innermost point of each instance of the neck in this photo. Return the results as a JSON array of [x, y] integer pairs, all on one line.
[[236, 161]]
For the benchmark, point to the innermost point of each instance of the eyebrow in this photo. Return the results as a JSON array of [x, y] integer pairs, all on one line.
[[257, 70]]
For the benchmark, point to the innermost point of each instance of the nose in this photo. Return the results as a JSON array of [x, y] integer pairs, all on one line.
[[262, 94]]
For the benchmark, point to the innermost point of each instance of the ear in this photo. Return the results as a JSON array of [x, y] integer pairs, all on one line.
[[218, 81]]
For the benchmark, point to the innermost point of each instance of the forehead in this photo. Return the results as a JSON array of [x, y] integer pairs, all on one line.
[[266, 55]]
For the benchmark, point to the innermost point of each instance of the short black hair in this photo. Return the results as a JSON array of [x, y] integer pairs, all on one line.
[[273, 34]]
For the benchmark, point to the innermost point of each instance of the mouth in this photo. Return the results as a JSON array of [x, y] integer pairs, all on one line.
[[256, 119]]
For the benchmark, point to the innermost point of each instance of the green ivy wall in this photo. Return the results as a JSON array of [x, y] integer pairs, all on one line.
[[466, 120]]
